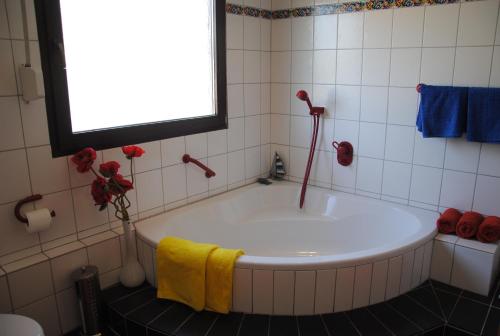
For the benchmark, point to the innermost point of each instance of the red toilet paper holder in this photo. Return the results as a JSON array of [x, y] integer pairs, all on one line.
[[345, 152]]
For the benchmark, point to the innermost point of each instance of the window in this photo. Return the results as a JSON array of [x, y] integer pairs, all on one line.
[[119, 72]]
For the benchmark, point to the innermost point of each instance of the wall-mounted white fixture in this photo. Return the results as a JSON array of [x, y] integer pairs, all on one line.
[[31, 79]]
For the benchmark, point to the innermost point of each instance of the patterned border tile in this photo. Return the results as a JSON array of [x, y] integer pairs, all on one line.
[[337, 8]]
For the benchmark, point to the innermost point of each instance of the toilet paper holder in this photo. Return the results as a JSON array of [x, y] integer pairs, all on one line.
[[29, 199]]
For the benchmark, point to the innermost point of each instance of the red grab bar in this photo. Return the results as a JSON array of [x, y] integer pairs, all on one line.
[[186, 158]]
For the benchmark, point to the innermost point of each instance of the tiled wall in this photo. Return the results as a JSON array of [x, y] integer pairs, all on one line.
[[363, 67], [238, 155]]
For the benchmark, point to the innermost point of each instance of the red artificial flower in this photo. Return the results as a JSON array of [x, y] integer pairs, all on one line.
[[109, 169], [100, 192], [132, 151], [123, 186], [84, 159]]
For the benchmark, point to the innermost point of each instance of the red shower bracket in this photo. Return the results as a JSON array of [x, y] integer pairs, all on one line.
[[186, 158]]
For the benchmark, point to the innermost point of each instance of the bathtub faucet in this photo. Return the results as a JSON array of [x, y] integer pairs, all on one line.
[[315, 112]]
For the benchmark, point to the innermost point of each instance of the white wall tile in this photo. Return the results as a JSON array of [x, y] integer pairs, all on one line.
[[68, 308], [407, 27], [284, 289], [369, 175], [373, 104], [362, 286], [11, 130], [394, 277], [151, 159], [251, 33], [457, 190], [442, 261], [425, 184], [489, 162], [406, 272], [429, 152], [399, 143], [461, 155], [350, 30], [378, 29], [323, 95], [63, 266], [281, 34], [347, 130], [403, 106], [371, 140], [302, 33], [4, 27], [379, 281], [440, 27], [302, 67], [45, 313], [472, 66], [149, 190], [298, 161], [325, 32], [471, 270], [280, 129], [437, 65], [265, 67], [174, 183], [217, 142], [197, 182], [252, 162], [13, 236], [105, 255], [5, 305], [262, 292], [219, 165], [235, 166], [234, 31], [236, 134], [265, 129], [345, 176], [487, 195], [14, 170], [376, 64], [347, 102], [47, 174], [252, 99], [305, 285], [344, 289], [396, 179], [234, 66], [349, 66], [325, 134], [474, 32], [8, 82], [86, 213], [300, 131], [22, 290], [252, 131], [172, 151], [324, 66], [251, 67], [405, 67], [34, 117], [235, 101], [417, 266], [242, 290], [325, 291], [281, 66], [426, 265], [63, 224], [280, 98], [196, 146], [15, 19]]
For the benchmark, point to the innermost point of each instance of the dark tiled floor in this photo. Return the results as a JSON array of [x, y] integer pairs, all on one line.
[[433, 309]]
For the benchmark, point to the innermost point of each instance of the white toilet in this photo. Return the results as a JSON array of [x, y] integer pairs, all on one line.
[[17, 325]]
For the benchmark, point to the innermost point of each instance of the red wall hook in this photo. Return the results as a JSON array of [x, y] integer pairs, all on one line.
[[345, 152], [186, 158], [29, 199]]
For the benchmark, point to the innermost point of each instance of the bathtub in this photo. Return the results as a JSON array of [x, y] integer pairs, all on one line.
[[339, 252]]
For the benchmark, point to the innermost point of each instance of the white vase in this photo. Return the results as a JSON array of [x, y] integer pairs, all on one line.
[[131, 274]]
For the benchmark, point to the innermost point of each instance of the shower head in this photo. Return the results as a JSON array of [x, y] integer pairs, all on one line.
[[302, 95]]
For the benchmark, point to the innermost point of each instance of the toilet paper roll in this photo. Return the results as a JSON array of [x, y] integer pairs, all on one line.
[[38, 220]]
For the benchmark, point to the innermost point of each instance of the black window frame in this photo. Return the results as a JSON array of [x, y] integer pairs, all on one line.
[[62, 139]]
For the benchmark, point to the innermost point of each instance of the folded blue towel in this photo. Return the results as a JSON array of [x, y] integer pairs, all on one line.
[[442, 111], [483, 115]]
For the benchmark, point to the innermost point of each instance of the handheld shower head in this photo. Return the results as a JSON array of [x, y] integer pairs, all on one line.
[[302, 95]]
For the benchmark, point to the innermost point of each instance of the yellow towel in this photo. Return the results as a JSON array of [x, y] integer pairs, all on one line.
[[196, 274]]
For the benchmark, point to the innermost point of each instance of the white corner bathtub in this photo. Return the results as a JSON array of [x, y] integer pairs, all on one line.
[[339, 252]]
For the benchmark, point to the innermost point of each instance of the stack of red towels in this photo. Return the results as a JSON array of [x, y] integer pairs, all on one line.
[[470, 224]]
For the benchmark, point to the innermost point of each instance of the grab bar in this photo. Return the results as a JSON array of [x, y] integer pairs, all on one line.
[[186, 158]]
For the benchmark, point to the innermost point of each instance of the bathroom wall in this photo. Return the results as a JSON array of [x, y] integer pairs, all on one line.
[[363, 67], [80, 233]]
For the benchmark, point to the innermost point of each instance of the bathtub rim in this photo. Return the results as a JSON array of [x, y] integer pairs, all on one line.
[[426, 233]]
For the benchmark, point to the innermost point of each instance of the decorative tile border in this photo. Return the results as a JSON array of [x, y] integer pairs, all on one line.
[[336, 8]]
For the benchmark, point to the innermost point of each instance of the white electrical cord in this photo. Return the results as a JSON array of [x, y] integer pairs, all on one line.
[[26, 34]]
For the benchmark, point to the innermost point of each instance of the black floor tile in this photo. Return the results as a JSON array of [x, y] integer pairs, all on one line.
[[479, 298], [450, 331], [492, 326], [226, 325], [133, 301], [311, 326], [147, 313], [417, 314], [136, 329], [396, 323], [171, 320], [366, 323], [426, 297], [447, 302], [435, 332], [254, 325], [445, 287], [116, 320], [198, 324], [118, 292], [283, 326], [468, 315], [339, 325], [496, 298]]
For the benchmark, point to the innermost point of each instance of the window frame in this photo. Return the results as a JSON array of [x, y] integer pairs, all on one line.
[[62, 139]]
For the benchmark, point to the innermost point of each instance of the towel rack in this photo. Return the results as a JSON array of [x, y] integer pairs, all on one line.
[[419, 87]]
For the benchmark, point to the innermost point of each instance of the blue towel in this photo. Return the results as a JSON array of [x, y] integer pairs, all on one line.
[[442, 111], [483, 115]]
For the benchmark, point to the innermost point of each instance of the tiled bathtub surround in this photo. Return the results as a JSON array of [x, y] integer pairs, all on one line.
[[363, 67], [299, 292]]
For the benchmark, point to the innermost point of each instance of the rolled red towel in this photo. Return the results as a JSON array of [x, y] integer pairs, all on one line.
[[447, 222], [489, 230], [468, 225]]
